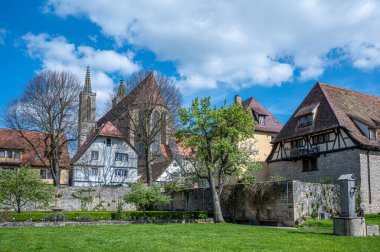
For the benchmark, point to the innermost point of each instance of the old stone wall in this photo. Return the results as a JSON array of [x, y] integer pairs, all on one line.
[[330, 165], [273, 203], [91, 198], [370, 181]]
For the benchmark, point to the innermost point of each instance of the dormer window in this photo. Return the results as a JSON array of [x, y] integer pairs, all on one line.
[[261, 120], [305, 121], [372, 134]]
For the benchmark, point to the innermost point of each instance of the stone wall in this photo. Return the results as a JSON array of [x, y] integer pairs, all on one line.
[[370, 181], [91, 198], [329, 165], [273, 203], [332, 165]]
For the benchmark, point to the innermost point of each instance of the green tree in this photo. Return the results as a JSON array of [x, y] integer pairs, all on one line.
[[20, 187], [144, 197], [217, 137]]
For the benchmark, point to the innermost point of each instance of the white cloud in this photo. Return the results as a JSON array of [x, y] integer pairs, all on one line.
[[57, 53], [3, 33], [240, 42]]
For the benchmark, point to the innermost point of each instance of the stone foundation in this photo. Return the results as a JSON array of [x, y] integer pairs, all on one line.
[[349, 226]]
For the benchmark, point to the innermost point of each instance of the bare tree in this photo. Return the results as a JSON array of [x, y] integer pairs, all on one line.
[[147, 115], [49, 105]]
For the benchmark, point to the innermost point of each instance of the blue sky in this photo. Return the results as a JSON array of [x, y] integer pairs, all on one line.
[[212, 48]]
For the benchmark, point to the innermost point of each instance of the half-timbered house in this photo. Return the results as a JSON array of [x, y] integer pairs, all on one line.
[[334, 131]]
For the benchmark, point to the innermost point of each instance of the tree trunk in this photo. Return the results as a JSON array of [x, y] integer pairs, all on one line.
[[148, 167], [57, 175], [18, 206], [218, 216]]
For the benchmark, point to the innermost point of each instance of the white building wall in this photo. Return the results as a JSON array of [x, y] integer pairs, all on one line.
[[106, 165]]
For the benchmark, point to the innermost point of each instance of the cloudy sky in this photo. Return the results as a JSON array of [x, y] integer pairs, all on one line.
[[273, 50]]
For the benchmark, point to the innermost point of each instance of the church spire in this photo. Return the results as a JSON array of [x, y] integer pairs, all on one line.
[[87, 83], [121, 91]]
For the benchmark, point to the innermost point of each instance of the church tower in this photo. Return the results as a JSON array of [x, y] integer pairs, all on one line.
[[120, 93], [87, 110]]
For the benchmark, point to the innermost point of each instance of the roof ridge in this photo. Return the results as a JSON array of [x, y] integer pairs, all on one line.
[[346, 89]]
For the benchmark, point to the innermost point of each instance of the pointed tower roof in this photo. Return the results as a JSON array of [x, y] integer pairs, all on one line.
[[121, 90], [87, 83]]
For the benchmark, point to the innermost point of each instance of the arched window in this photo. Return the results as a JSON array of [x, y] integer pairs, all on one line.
[[155, 130], [163, 128], [88, 109]]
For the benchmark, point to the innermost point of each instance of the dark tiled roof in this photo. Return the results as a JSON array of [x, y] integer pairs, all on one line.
[[306, 110], [157, 170], [12, 139], [272, 125], [337, 107], [138, 95]]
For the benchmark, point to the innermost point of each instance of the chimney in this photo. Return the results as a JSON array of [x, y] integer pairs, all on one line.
[[238, 99]]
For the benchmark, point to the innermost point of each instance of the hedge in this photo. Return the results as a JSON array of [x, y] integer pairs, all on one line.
[[161, 215], [104, 215]]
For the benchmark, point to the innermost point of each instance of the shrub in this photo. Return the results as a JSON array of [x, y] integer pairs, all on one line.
[[144, 197], [276, 178], [161, 215], [54, 217], [85, 218], [327, 180], [5, 216]]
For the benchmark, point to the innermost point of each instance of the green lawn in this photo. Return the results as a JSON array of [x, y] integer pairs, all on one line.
[[314, 236]]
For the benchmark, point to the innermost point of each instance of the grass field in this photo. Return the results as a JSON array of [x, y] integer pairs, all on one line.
[[313, 236]]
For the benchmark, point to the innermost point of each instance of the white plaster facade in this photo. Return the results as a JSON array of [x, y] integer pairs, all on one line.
[[106, 169]]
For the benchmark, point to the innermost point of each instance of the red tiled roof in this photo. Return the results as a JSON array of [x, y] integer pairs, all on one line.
[[12, 139], [106, 130], [272, 125], [337, 107], [166, 152], [110, 130]]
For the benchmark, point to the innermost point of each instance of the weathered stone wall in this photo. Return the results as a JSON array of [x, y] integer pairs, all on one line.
[[277, 203], [91, 198], [329, 165], [311, 199], [332, 165], [370, 181]]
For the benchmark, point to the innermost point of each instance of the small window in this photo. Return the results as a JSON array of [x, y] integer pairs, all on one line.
[[94, 155], [94, 171], [321, 138], [261, 120], [372, 134], [2, 153], [305, 121], [309, 164], [108, 141], [296, 144], [121, 173], [16, 155], [9, 154], [121, 156], [45, 174]]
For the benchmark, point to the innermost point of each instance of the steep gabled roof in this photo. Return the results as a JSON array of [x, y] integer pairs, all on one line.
[[272, 125], [143, 91], [106, 130], [337, 108], [12, 140]]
